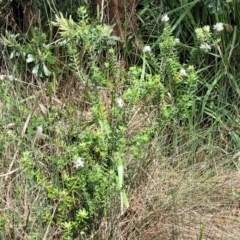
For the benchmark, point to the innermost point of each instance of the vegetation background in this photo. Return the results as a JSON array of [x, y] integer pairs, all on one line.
[[119, 119]]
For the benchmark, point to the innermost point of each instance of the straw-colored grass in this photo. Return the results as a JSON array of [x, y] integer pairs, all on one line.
[[200, 201]]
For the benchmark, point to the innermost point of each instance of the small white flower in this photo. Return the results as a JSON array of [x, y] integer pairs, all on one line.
[[206, 28], [183, 72], [165, 18], [2, 77], [177, 40], [191, 68], [218, 27], [79, 163], [147, 49], [120, 103], [205, 46]]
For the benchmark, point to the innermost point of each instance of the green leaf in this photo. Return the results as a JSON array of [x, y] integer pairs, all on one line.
[[120, 176], [51, 60], [115, 38], [215, 5]]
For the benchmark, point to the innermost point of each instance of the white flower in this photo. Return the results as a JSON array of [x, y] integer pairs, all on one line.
[[218, 27], [206, 28], [120, 103], [191, 68], [2, 77], [183, 72], [205, 46], [165, 18], [199, 33], [147, 49], [177, 40], [79, 163]]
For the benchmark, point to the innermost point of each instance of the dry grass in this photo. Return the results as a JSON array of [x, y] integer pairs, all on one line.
[[201, 201]]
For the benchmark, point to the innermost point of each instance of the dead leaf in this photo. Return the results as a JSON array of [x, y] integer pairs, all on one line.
[[43, 109], [26, 124]]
